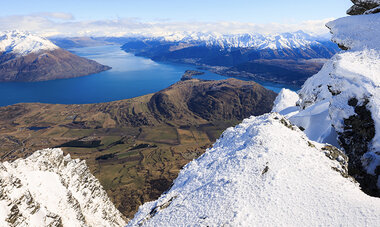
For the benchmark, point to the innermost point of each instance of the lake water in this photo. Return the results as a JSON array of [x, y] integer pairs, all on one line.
[[129, 77]]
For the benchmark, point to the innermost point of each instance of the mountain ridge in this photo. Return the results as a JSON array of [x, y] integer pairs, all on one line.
[[50, 189], [241, 56], [25, 57]]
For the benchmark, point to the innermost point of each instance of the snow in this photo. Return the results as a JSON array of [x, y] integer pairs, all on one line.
[[249, 40], [24, 43], [351, 74], [49, 187], [357, 32], [323, 103], [286, 98], [262, 173]]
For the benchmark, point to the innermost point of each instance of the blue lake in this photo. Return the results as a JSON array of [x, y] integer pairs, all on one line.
[[129, 77]]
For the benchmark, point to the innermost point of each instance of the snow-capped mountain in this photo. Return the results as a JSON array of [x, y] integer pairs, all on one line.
[[242, 54], [26, 57], [50, 189], [293, 40], [23, 43]]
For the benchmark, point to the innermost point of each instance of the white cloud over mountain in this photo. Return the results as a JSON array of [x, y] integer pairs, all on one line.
[[64, 24]]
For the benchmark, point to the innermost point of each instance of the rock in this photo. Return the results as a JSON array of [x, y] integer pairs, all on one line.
[[356, 10], [364, 7], [369, 4]]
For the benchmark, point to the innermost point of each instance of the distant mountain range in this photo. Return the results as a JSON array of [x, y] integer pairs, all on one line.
[[26, 57], [241, 55], [288, 58]]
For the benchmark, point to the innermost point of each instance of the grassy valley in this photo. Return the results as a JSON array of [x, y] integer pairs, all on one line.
[[135, 147]]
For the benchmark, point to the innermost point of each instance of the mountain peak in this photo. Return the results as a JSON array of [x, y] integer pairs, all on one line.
[[23, 43], [245, 40]]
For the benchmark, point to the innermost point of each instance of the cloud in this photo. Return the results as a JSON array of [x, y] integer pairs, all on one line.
[[62, 24], [55, 15]]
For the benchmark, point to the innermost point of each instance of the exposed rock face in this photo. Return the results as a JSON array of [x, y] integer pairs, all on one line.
[[364, 7], [49, 189], [355, 138], [25, 57]]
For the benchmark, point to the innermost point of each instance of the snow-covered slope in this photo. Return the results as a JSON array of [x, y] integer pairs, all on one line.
[[342, 102], [23, 43], [50, 189], [263, 172], [256, 41]]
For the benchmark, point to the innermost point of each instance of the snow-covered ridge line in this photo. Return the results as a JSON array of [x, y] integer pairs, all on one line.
[[50, 189], [263, 172], [341, 103], [249, 40], [357, 32], [23, 43]]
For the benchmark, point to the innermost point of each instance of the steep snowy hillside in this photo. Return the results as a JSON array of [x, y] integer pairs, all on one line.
[[26, 57], [49, 189], [263, 171], [341, 104], [23, 43]]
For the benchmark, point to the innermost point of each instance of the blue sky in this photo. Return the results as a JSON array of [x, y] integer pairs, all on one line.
[[256, 12]]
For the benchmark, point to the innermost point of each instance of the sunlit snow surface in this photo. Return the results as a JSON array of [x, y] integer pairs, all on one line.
[[289, 40], [349, 74], [48, 189], [261, 173], [23, 43]]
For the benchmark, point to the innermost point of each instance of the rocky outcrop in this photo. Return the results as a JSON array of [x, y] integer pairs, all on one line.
[[50, 189], [364, 7]]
